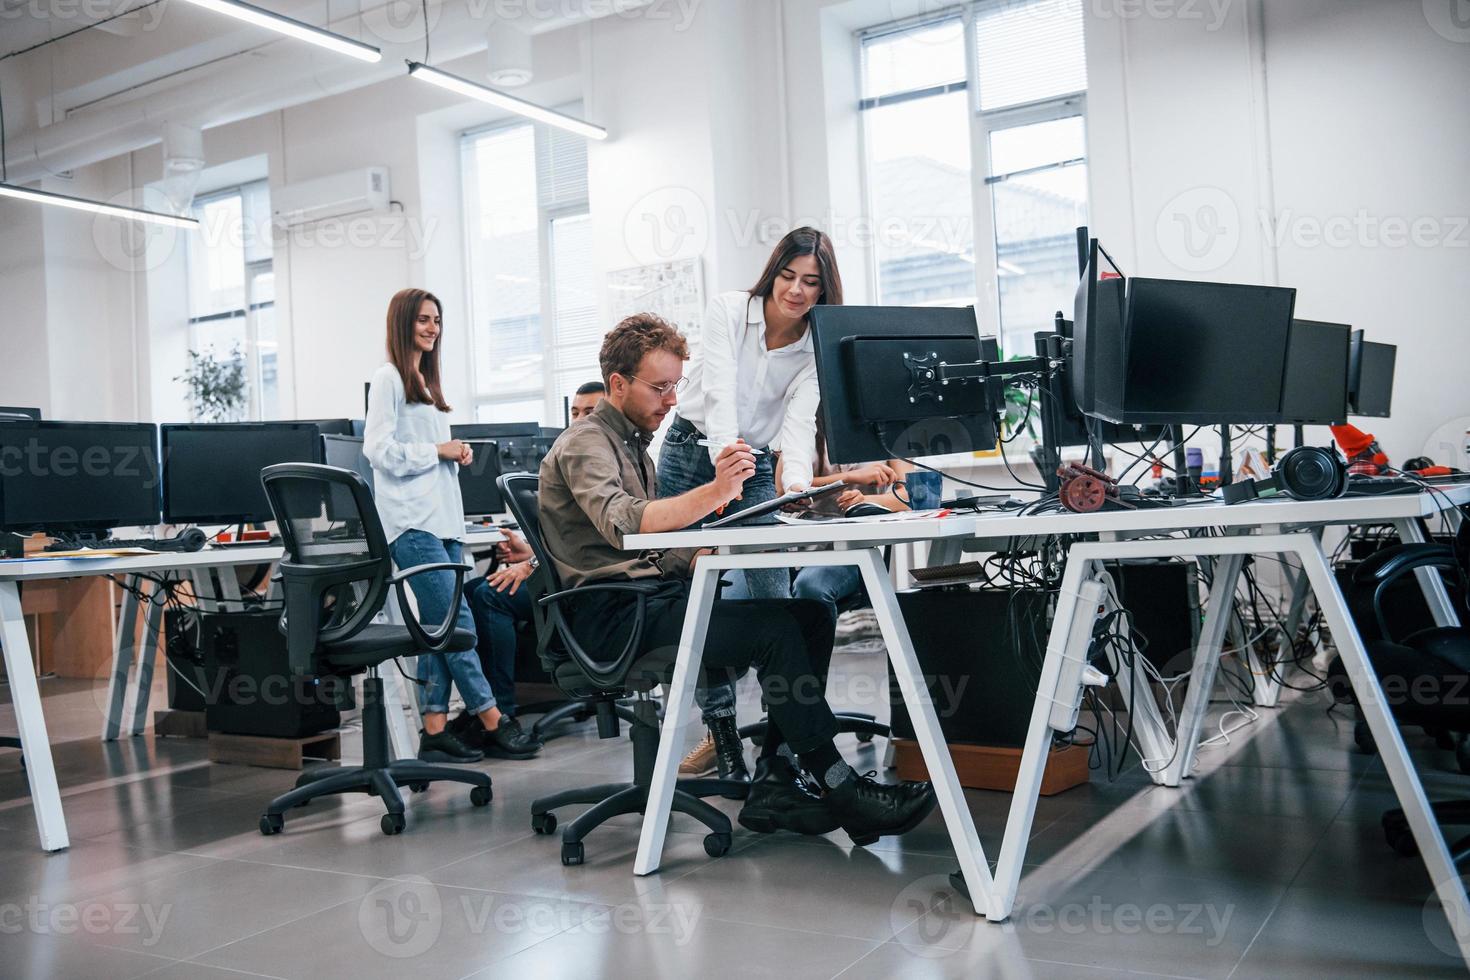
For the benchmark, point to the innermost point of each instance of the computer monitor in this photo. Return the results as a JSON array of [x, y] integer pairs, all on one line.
[[330, 427], [866, 387], [77, 477], [211, 471], [1315, 390], [1068, 425], [498, 430], [478, 489], [345, 452], [12, 413], [1097, 332], [1372, 383], [1201, 353]]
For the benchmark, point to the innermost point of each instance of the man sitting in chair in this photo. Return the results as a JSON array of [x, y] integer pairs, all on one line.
[[597, 485]]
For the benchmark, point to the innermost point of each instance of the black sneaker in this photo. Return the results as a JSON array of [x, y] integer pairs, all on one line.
[[509, 741], [781, 799], [446, 747], [868, 809], [729, 750], [469, 729]]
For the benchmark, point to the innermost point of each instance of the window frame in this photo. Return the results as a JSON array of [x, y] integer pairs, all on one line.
[[545, 216], [254, 383]]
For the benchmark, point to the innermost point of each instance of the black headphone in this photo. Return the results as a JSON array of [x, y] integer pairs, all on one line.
[[1304, 473], [189, 539]]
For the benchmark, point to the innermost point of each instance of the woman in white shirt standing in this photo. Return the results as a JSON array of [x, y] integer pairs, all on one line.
[[754, 378], [416, 489]]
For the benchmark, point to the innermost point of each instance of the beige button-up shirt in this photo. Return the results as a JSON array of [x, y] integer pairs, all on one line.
[[595, 484]]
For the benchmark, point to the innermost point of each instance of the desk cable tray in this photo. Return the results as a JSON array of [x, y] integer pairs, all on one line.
[[935, 576]]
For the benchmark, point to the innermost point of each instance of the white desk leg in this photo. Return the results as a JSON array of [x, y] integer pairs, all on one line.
[[1401, 773], [124, 647], [147, 657], [1440, 606], [1071, 634], [1204, 669], [35, 745], [676, 717], [946, 783]]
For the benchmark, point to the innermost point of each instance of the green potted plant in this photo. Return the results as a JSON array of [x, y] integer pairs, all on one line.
[[216, 385]]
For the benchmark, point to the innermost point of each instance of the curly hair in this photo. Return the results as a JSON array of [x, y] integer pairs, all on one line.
[[624, 346]]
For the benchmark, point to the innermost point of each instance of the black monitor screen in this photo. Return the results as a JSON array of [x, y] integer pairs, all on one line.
[[211, 473], [477, 487], [330, 427], [864, 424], [1056, 411], [1375, 380], [1097, 332], [1316, 387], [1203, 353], [78, 476]]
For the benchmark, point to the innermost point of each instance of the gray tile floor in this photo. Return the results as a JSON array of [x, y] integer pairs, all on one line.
[[1268, 863]]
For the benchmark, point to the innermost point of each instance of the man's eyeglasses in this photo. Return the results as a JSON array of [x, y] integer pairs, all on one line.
[[677, 387]]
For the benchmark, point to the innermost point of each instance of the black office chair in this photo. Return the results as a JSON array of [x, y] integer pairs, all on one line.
[[1425, 673], [602, 683], [335, 578]]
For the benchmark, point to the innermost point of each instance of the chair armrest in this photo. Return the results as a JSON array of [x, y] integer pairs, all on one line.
[[1388, 564], [607, 673], [636, 588], [438, 639]]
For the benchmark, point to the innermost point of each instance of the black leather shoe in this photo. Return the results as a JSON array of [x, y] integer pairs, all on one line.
[[868, 809], [446, 747], [781, 799], [510, 741], [729, 750], [468, 729]]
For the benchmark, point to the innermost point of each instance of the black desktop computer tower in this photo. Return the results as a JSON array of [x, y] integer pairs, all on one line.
[[1162, 599], [236, 671], [980, 652]]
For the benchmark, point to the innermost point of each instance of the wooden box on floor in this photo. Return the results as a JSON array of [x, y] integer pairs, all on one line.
[[274, 753], [989, 767]]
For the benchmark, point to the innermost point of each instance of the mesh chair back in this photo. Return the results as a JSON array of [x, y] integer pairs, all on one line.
[[332, 538]]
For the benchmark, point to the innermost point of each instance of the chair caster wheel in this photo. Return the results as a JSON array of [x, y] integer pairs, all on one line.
[[865, 738], [1402, 841], [1363, 738], [417, 787], [571, 853], [271, 823], [543, 823], [717, 845], [481, 796], [392, 824]]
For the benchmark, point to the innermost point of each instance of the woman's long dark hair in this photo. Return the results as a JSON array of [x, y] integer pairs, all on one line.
[[403, 311], [798, 242]]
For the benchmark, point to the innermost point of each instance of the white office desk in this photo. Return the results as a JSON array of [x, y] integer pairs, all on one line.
[[1290, 528], [140, 570]]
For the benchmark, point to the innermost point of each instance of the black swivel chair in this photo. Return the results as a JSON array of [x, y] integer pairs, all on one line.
[[1426, 672], [335, 578], [602, 683]]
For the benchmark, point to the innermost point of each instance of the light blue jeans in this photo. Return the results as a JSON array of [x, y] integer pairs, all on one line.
[[830, 585], [432, 591]]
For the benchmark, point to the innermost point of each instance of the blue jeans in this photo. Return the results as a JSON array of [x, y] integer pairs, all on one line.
[[433, 590], [684, 464], [496, 615], [828, 584]]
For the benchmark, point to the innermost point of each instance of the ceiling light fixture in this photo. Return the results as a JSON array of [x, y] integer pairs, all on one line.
[[520, 107], [261, 17], [96, 207]]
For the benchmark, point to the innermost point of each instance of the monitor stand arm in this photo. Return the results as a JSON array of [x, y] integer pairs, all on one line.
[[1181, 464], [1225, 461]]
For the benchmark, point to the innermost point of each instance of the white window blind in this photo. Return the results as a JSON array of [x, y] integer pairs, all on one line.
[[1028, 51], [575, 328]]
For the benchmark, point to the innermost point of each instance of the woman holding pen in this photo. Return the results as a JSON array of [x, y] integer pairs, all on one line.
[[416, 490], [754, 378]]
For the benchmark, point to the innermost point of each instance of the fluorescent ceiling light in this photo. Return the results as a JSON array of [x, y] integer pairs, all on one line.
[[97, 207], [261, 17], [494, 97]]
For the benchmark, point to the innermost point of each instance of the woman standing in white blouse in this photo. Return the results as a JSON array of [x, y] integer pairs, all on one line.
[[416, 490], [755, 378]]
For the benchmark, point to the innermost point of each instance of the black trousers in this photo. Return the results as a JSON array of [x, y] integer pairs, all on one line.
[[787, 641]]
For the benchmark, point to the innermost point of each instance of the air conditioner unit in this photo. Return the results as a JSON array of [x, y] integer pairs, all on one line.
[[353, 192]]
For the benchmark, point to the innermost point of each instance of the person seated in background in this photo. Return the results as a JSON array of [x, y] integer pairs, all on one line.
[[500, 602], [871, 483], [597, 485], [586, 398]]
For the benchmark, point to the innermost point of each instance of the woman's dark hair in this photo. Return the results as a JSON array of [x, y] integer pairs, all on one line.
[[403, 311], [798, 242]]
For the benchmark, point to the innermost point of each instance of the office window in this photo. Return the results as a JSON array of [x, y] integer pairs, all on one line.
[[232, 289], [975, 140], [533, 305]]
